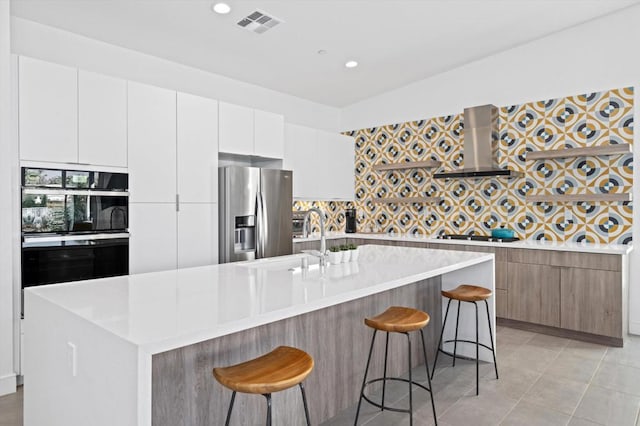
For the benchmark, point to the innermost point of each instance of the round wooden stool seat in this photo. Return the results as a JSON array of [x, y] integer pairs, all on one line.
[[280, 369], [399, 319], [468, 293]]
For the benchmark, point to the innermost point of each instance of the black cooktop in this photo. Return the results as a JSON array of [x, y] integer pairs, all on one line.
[[476, 238]]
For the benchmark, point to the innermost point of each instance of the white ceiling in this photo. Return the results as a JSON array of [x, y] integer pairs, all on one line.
[[396, 42]]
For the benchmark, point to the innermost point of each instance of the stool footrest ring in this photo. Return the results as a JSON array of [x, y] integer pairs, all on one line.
[[397, 379], [465, 341]]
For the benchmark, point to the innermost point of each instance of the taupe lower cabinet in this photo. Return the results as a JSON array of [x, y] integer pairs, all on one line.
[[533, 293], [566, 290]]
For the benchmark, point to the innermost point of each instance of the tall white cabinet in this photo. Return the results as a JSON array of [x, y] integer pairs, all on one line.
[[173, 151], [197, 162]]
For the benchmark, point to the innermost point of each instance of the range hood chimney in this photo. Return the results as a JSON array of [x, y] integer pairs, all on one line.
[[480, 146]]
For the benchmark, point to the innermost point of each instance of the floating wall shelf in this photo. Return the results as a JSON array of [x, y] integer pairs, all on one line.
[[623, 148], [408, 165], [400, 200], [575, 198]]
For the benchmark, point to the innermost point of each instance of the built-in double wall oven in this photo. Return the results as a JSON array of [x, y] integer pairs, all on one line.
[[74, 225]]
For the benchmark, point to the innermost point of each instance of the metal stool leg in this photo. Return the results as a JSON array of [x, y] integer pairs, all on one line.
[[444, 323], [304, 401], [268, 396], [426, 364], [477, 353], [233, 398], [410, 382], [364, 380], [493, 349], [384, 376], [455, 341]]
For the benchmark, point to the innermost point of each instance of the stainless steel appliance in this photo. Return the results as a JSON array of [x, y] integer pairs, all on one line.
[[297, 222], [74, 225], [255, 213], [480, 146]]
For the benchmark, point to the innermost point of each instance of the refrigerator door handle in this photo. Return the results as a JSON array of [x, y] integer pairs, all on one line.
[[264, 228], [258, 226]]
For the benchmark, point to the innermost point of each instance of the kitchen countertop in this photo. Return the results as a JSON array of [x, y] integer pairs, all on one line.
[[166, 310], [526, 244]]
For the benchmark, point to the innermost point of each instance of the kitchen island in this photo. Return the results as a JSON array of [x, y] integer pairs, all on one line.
[[139, 350]]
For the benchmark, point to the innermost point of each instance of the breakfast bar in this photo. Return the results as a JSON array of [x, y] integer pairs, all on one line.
[[145, 344]]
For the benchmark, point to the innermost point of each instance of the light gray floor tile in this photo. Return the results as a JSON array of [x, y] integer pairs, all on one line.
[[608, 407], [586, 350], [513, 382], [573, 367], [556, 393], [618, 377], [576, 421], [628, 355], [533, 415], [486, 409], [530, 358], [11, 409], [548, 342]]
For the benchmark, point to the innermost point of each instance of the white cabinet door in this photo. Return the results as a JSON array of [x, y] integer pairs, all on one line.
[[152, 143], [152, 245], [48, 111], [236, 129], [344, 163], [326, 168], [269, 134], [301, 156], [102, 115], [197, 149], [197, 234]]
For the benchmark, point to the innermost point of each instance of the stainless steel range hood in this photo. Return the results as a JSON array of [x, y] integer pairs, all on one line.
[[480, 146]]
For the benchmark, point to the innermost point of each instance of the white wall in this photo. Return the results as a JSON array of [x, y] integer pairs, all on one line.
[[40, 41], [598, 55], [7, 166]]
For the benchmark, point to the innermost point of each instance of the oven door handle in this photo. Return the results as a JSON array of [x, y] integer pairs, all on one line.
[[84, 237]]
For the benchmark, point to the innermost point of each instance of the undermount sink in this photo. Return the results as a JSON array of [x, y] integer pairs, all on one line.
[[282, 263]]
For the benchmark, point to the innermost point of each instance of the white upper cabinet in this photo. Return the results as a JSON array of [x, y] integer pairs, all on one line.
[[301, 152], [245, 131], [322, 163], [102, 120], [269, 134], [48, 111], [236, 129], [152, 143], [197, 149]]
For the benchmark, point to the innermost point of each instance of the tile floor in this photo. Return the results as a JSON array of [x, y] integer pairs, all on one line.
[[544, 380]]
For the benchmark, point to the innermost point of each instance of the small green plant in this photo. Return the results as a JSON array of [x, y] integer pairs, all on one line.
[[352, 246], [334, 249], [344, 247]]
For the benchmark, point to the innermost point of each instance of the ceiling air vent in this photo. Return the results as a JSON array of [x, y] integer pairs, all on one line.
[[259, 22]]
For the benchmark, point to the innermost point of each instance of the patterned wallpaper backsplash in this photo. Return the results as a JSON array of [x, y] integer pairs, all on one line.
[[479, 205]]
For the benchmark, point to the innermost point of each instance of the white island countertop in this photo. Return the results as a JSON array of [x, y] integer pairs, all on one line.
[[171, 309], [621, 249]]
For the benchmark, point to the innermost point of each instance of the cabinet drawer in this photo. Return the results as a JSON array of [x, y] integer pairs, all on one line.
[[607, 262]]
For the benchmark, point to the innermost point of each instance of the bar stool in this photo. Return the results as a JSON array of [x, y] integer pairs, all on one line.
[[280, 369], [470, 294], [397, 319]]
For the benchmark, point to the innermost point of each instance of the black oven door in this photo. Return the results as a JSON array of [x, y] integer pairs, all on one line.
[[57, 259], [97, 212]]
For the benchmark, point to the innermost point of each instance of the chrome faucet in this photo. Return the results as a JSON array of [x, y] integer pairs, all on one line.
[[322, 254]]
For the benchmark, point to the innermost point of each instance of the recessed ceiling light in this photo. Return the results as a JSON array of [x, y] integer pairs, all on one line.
[[351, 64], [221, 8]]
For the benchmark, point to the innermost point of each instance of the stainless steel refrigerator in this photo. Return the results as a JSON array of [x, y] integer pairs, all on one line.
[[255, 213]]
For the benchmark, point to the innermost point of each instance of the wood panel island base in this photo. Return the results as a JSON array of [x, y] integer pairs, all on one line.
[[139, 350]]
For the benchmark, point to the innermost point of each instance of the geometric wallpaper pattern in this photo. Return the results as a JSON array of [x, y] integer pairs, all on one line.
[[478, 205]]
